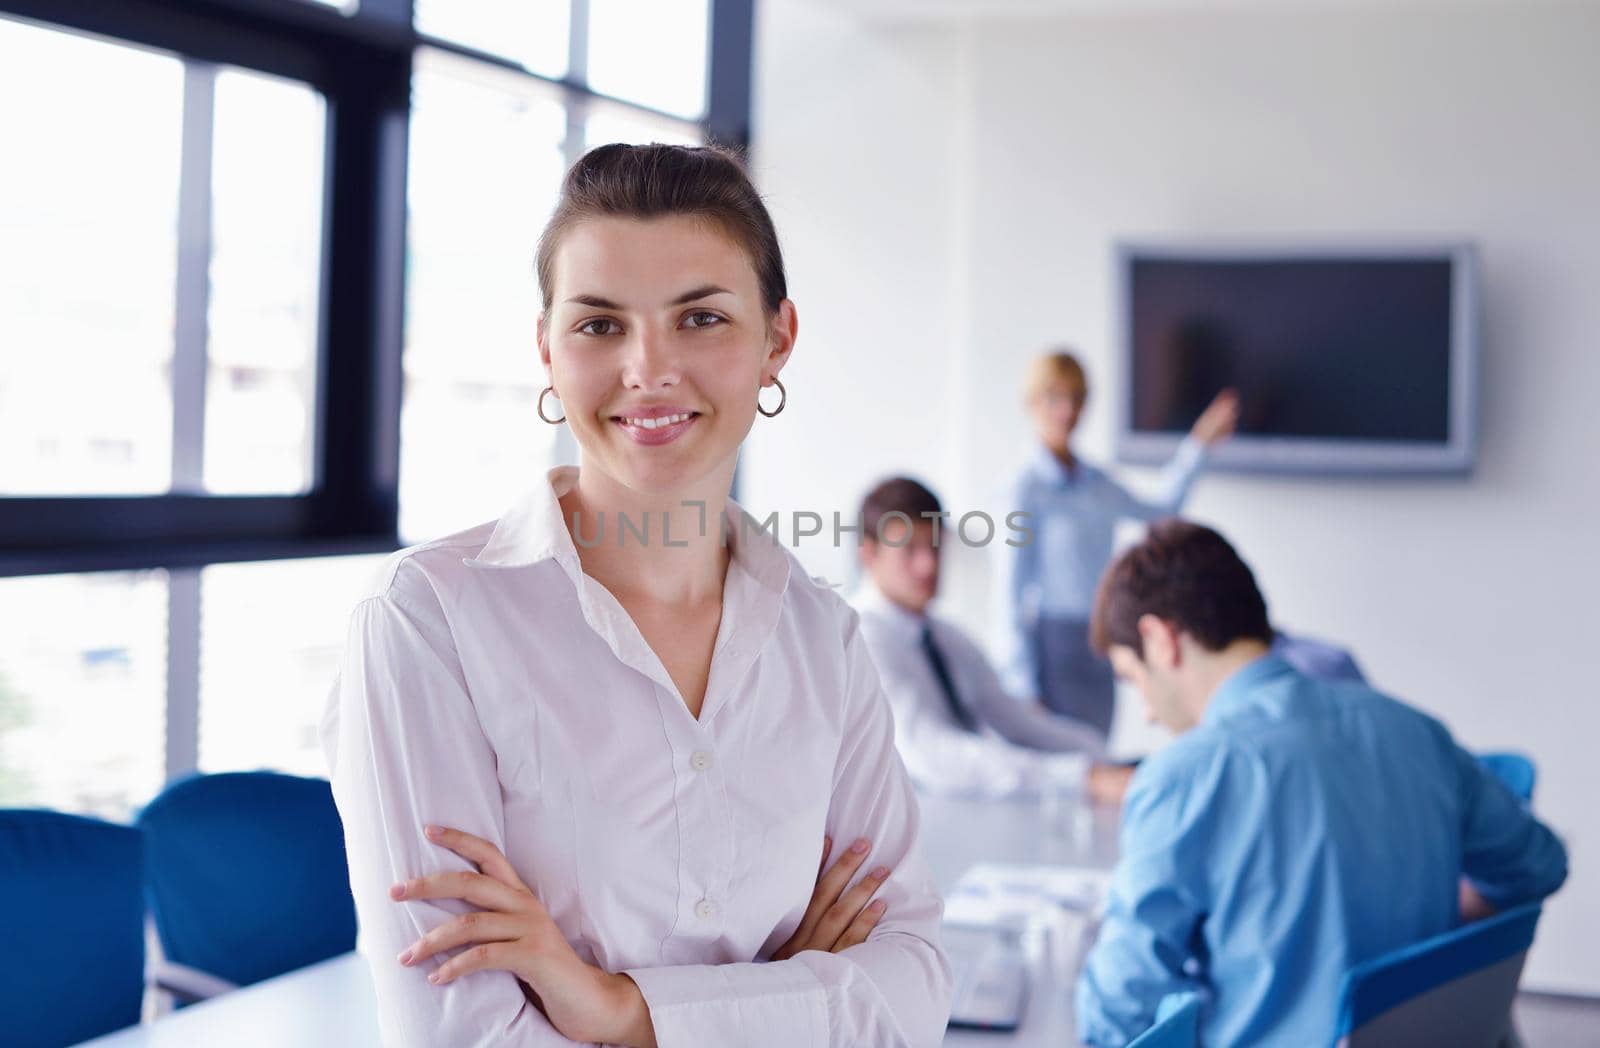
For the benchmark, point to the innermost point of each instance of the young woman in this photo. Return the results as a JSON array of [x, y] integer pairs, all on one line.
[[587, 755], [1048, 584]]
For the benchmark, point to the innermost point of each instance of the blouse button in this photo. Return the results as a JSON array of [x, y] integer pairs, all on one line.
[[700, 760], [705, 909]]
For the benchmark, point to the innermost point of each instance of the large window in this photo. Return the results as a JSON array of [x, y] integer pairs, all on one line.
[[158, 287], [270, 639], [532, 35], [487, 156], [653, 54], [82, 691], [261, 325], [267, 290], [87, 263]]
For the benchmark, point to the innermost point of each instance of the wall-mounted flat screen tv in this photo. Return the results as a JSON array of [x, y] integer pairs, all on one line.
[[1345, 358]]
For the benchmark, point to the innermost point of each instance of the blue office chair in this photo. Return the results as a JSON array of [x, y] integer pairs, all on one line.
[[1455, 989], [1177, 1024], [1513, 769], [246, 879], [73, 928]]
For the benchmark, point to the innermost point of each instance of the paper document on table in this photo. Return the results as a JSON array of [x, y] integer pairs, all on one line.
[[1015, 896]]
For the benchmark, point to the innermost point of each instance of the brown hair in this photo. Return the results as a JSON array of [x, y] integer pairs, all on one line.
[[1057, 365], [652, 181], [1188, 575], [897, 495]]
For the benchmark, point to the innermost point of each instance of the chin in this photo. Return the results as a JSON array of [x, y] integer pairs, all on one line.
[[663, 475]]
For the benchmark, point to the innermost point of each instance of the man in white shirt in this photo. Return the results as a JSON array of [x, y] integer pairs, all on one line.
[[958, 730]]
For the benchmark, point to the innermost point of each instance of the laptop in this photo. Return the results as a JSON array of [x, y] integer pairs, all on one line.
[[991, 977]]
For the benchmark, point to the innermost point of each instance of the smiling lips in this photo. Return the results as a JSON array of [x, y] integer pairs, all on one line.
[[656, 425]]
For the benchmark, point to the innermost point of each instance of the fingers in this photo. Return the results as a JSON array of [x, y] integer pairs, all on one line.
[[1219, 419], [485, 855], [479, 958], [862, 926], [842, 913], [827, 849], [477, 926], [830, 885], [482, 891]]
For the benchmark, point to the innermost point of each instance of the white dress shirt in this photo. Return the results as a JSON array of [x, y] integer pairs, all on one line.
[[489, 685], [1004, 758]]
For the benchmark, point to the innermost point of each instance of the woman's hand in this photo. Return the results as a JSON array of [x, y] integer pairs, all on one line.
[[1218, 421], [512, 931], [834, 922]]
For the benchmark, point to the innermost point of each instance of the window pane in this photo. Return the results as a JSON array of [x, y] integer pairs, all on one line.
[[653, 54], [83, 677], [532, 32], [486, 165], [270, 639], [620, 124], [88, 249], [266, 230]]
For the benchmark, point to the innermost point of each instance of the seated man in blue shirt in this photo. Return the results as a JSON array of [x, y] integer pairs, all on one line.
[[1294, 828]]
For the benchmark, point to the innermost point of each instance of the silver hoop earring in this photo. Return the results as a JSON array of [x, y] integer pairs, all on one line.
[[783, 398], [553, 421]]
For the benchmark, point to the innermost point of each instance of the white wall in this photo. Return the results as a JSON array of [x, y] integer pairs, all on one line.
[[948, 190], [866, 209]]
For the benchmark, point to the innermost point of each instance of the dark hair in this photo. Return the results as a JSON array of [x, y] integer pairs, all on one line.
[[1188, 575], [707, 182], [897, 495]]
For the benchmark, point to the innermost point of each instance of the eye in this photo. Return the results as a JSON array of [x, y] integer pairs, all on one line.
[[599, 326], [703, 318]]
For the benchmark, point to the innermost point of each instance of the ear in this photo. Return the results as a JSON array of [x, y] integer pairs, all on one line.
[[1160, 640], [782, 331]]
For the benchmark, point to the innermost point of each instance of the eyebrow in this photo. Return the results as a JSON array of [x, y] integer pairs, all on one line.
[[704, 291]]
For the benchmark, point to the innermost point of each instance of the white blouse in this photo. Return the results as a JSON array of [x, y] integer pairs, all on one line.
[[489, 685]]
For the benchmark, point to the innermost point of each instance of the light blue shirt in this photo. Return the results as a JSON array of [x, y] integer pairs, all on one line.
[[1073, 515], [1317, 658], [1304, 826]]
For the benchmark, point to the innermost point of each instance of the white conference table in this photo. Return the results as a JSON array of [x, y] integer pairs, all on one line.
[[331, 1004]]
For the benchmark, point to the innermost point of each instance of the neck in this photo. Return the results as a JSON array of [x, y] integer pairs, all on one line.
[[1063, 453], [661, 547], [919, 610], [1212, 668]]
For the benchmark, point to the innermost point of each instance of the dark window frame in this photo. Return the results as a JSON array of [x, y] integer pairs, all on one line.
[[362, 65]]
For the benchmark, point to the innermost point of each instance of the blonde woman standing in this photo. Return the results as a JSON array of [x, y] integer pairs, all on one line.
[[1048, 584]]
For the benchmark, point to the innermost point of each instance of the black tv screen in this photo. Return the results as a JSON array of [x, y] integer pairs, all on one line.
[[1340, 359]]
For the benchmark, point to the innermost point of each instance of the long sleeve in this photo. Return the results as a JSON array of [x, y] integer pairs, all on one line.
[[405, 748], [1177, 478], [1509, 856], [1016, 603], [1027, 723], [1152, 911], [893, 989], [944, 758]]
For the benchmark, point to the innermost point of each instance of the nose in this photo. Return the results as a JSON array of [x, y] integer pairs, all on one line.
[[650, 362]]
